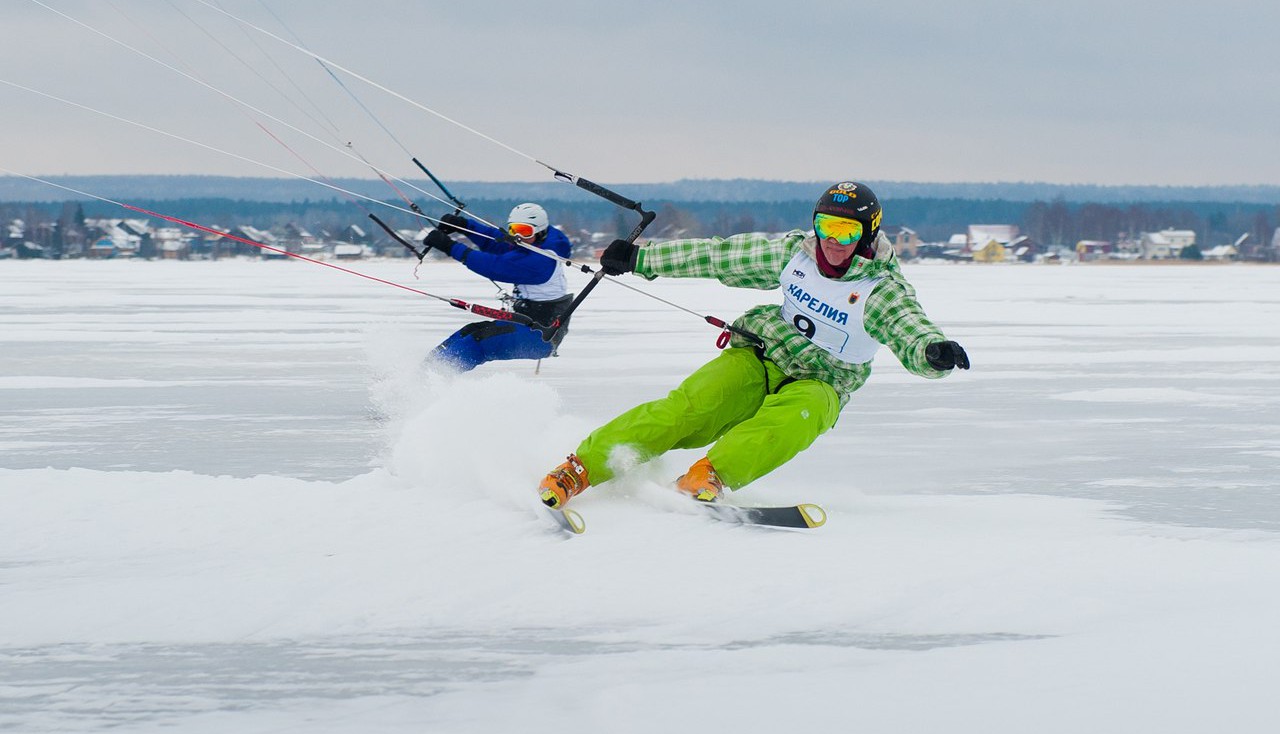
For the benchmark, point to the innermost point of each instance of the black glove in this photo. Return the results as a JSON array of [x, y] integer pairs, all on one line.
[[451, 223], [945, 355], [619, 257], [439, 240]]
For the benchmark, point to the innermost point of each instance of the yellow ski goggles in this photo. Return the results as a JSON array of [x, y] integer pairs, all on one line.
[[521, 229], [830, 227]]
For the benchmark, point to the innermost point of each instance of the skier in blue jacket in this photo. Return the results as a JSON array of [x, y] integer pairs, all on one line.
[[540, 289]]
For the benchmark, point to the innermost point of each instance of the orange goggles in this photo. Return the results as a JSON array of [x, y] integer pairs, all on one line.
[[844, 231], [521, 229]]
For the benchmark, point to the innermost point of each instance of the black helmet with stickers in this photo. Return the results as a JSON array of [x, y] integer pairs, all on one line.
[[852, 200]]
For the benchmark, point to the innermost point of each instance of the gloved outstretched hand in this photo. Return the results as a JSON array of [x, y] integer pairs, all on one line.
[[438, 240], [619, 257], [945, 355], [451, 223]]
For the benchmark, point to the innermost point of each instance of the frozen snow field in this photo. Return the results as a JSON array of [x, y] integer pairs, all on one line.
[[229, 501]]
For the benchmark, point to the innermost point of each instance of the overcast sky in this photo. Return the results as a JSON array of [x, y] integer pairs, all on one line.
[[1176, 93]]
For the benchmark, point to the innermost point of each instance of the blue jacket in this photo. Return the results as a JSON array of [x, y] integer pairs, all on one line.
[[499, 260]]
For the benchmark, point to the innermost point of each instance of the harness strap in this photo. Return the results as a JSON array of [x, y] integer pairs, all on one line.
[[764, 364]]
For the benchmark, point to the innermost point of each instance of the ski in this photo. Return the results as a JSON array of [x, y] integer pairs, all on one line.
[[788, 516], [804, 515]]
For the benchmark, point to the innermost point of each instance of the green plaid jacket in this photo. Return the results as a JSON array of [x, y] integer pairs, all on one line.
[[892, 317]]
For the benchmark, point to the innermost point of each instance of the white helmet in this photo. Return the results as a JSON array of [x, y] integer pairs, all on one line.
[[531, 214]]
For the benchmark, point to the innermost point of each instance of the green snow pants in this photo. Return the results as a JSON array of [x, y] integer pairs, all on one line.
[[757, 417]]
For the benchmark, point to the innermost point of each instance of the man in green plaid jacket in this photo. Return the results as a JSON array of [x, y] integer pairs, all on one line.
[[761, 402]]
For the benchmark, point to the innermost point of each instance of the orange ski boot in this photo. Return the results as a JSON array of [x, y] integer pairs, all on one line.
[[701, 482], [564, 483]]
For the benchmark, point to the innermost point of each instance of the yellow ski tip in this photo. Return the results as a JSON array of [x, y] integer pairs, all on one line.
[[814, 516], [576, 523]]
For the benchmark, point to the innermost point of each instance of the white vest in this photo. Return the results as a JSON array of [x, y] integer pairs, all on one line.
[[553, 288], [828, 312]]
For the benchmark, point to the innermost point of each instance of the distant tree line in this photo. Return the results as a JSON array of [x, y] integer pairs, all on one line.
[[137, 187], [1048, 223], [1060, 223]]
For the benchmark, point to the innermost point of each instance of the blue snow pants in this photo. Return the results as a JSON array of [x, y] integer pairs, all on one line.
[[486, 341]]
